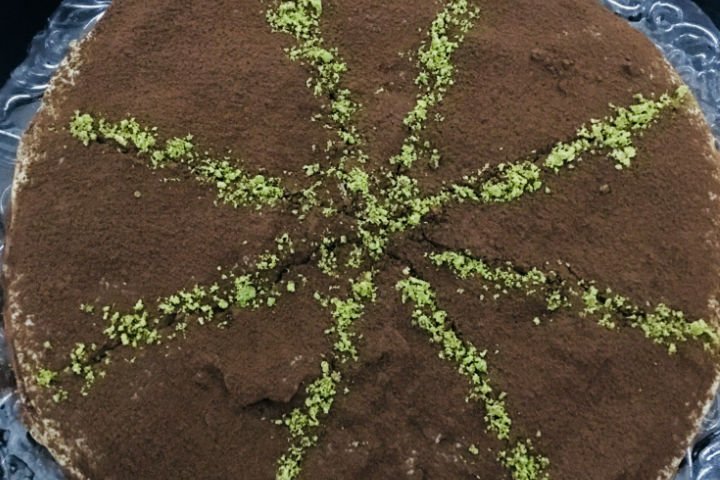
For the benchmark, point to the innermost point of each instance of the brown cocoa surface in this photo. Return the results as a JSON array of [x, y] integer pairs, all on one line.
[[608, 404]]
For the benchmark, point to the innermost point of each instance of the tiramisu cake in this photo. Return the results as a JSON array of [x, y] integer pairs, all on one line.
[[321, 239]]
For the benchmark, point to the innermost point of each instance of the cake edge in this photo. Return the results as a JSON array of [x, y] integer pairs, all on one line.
[[43, 430], [670, 471]]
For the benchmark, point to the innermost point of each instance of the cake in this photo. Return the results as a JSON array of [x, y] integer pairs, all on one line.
[[349, 240]]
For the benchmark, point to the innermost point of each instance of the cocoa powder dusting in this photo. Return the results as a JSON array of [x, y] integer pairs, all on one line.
[[95, 225]]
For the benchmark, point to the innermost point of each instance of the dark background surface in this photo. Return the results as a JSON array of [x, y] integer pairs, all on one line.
[[20, 20], [712, 8]]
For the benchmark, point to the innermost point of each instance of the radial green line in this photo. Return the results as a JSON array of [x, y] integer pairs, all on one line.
[[659, 323], [519, 457], [301, 19], [234, 186], [614, 135], [304, 423], [435, 77], [145, 324]]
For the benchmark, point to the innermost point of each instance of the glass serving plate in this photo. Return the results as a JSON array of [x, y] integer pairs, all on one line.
[[679, 28]]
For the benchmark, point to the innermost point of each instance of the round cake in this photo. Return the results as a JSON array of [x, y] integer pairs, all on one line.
[[365, 240]]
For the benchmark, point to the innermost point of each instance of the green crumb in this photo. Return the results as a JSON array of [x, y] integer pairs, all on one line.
[[245, 291], [133, 329], [284, 244], [45, 377], [328, 262], [311, 170], [364, 288], [470, 361], [267, 261], [524, 463], [60, 395], [505, 276], [514, 181], [554, 300], [662, 324], [87, 308], [80, 366], [82, 127], [301, 20], [472, 364], [302, 422]]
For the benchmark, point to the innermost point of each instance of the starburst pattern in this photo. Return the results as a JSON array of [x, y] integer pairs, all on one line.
[[385, 203]]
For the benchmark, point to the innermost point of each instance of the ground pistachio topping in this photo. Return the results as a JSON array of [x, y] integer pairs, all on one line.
[[445, 36], [521, 460], [303, 422], [509, 181], [234, 185], [301, 19], [660, 323], [169, 318], [615, 133]]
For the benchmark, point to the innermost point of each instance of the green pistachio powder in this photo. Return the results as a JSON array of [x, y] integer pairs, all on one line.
[[389, 202]]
